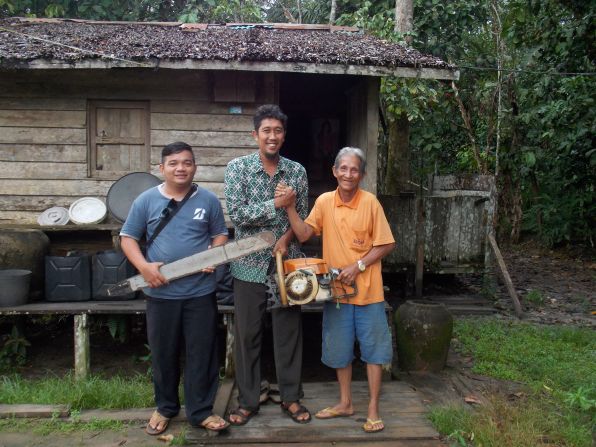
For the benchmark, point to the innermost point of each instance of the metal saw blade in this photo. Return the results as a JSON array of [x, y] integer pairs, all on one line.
[[193, 264]]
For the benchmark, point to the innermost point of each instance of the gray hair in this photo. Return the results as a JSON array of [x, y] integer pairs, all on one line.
[[351, 151]]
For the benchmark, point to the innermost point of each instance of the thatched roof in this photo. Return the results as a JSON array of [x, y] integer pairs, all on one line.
[[26, 41]]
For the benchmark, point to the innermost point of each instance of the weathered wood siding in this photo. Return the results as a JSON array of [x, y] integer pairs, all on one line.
[[363, 118], [44, 154], [458, 217]]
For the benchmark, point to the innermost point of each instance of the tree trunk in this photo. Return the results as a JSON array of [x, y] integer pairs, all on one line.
[[398, 155], [398, 145], [404, 18], [333, 12]]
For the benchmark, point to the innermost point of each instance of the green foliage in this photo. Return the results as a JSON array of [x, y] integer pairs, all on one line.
[[582, 398], [502, 422], [118, 327], [55, 425], [114, 393], [560, 358], [221, 11], [557, 365], [142, 10], [535, 297], [547, 121], [14, 349], [180, 439]]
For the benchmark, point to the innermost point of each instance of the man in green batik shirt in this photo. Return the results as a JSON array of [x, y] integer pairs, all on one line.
[[254, 206]]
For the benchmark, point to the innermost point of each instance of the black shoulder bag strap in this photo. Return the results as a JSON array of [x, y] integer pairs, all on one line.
[[169, 212]]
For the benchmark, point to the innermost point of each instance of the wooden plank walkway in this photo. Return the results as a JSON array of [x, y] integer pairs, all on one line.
[[402, 411]]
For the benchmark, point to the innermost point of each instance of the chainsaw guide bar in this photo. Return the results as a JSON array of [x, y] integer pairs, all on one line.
[[194, 264]]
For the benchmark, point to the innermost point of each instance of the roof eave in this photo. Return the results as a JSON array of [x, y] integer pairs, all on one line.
[[289, 67]]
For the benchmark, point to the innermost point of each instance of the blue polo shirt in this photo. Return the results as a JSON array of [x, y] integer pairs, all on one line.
[[190, 231]]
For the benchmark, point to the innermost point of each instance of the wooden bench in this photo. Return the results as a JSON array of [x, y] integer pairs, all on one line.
[[81, 310]]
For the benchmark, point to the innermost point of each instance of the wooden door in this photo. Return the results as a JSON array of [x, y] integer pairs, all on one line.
[[118, 138]]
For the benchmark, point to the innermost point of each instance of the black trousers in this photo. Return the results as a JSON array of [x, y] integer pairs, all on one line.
[[192, 324], [249, 310]]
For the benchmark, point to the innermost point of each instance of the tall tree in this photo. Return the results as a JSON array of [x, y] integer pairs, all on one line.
[[333, 12], [398, 173]]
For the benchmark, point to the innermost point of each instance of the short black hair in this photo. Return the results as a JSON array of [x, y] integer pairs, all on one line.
[[269, 111], [175, 148]]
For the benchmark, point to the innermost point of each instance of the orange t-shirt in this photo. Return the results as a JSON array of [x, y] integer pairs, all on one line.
[[349, 231]]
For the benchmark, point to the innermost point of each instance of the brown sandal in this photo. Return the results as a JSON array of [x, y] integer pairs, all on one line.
[[154, 431], [244, 415], [209, 422], [296, 414]]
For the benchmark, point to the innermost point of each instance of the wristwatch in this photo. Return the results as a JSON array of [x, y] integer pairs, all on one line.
[[361, 265]]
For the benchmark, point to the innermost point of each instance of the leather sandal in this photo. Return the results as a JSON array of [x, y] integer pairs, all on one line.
[[159, 418], [244, 415], [212, 422], [296, 414]]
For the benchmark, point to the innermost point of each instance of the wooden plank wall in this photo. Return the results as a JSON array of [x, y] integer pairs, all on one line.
[[43, 130], [458, 211]]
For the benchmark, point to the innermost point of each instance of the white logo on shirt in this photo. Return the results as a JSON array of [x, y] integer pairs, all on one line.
[[199, 214]]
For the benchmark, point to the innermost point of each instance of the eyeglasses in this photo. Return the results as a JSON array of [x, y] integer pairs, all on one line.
[[165, 213]]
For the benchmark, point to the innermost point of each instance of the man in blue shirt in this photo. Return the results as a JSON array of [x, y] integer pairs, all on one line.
[[184, 312]]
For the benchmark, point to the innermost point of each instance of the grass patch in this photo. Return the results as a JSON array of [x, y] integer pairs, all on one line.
[[535, 297], [44, 427], [95, 392], [557, 365]]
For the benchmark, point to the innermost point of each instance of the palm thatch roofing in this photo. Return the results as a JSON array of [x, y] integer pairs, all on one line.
[[66, 43]]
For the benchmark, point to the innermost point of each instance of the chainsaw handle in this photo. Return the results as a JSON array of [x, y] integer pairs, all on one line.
[[334, 274], [281, 280]]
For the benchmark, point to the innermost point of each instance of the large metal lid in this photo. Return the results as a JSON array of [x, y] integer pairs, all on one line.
[[125, 190], [56, 215]]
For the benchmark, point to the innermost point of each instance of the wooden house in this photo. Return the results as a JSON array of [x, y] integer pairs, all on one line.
[[83, 103]]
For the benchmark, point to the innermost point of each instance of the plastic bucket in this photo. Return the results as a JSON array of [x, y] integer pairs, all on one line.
[[14, 287]]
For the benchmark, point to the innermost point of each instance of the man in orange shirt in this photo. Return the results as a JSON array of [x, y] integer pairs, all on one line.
[[356, 236]]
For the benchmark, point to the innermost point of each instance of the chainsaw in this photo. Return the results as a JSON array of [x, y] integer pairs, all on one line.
[[194, 264], [303, 281]]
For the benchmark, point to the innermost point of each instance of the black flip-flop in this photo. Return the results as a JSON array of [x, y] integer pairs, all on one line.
[[244, 414], [299, 412]]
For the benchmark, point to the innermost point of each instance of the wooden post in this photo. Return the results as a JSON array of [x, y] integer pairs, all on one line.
[[506, 277], [229, 364], [81, 346], [420, 220], [489, 214]]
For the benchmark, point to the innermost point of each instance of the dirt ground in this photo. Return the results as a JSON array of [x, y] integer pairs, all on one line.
[[555, 287]]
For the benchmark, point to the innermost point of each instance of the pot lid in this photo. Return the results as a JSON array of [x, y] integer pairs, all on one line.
[[125, 190], [87, 210], [56, 215]]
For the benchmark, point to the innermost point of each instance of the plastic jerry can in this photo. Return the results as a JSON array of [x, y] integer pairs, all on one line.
[[109, 268], [68, 278]]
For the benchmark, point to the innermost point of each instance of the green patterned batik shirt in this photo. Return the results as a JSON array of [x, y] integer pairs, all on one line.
[[249, 199]]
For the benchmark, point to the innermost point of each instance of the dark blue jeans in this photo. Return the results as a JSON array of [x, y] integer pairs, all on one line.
[[190, 324]]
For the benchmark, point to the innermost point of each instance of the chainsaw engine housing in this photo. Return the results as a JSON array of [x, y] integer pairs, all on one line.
[[309, 279]]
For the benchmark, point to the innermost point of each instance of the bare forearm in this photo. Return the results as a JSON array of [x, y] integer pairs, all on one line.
[[377, 253], [133, 252], [301, 230], [218, 240]]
